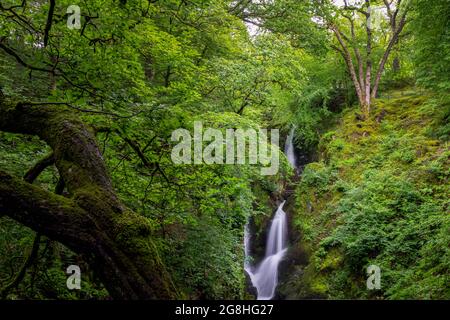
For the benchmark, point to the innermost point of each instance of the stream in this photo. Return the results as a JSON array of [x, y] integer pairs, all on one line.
[[264, 276]]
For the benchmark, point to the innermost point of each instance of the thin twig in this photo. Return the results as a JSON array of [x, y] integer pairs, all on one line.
[[80, 109]]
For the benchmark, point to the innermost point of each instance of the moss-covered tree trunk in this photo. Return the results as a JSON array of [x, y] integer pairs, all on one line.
[[92, 221]]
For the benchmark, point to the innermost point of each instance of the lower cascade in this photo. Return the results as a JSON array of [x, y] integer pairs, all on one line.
[[264, 277]]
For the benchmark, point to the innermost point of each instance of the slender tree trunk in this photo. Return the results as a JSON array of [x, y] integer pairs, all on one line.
[[396, 64], [368, 81], [367, 101], [349, 62], [386, 54], [365, 91]]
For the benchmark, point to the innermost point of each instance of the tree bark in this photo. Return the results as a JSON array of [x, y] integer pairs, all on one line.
[[93, 222], [368, 81], [348, 60], [365, 91], [392, 42]]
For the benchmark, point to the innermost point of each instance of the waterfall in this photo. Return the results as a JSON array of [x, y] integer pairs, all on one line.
[[264, 277], [289, 148]]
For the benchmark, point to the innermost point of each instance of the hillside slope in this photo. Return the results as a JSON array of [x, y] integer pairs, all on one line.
[[377, 196]]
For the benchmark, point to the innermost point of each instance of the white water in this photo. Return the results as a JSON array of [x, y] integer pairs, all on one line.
[[264, 277], [289, 148]]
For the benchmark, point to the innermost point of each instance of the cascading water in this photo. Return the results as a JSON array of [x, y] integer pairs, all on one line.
[[289, 148], [264, 277]]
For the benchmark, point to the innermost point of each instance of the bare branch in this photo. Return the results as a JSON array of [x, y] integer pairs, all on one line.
[[348, 60], [356, 50], [12, 53], [71, 106], [387, 52], [48, 25]]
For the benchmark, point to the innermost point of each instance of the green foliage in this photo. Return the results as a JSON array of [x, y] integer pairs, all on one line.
[[144, 69], [318, 176], [431, 29], [204, 260], [138, 70], [389, 208]]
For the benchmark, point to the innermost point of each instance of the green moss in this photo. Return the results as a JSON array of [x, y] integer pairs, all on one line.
[[332, 261], [377, 195]]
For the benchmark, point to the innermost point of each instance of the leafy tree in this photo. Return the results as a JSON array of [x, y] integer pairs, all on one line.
[[430, 28], [354, 18]]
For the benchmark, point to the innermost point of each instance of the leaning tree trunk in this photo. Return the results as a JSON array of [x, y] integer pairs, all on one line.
[[93, 222]]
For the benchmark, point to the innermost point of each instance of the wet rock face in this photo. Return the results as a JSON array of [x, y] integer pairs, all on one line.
[[293, 234], [294, 261], [251, 290], [295, 257], [294, 282], [258, 239]]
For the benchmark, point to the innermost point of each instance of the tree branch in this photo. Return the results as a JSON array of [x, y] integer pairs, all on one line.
[[387, 52], [116, 241], [48, 25], [356, 50], [45, 212], [349, 62], [27, 263], [40, 166], [12, 53], [29, 177], [71, 106]]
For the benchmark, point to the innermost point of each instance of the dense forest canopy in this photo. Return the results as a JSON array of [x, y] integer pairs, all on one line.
[[91, 92]]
